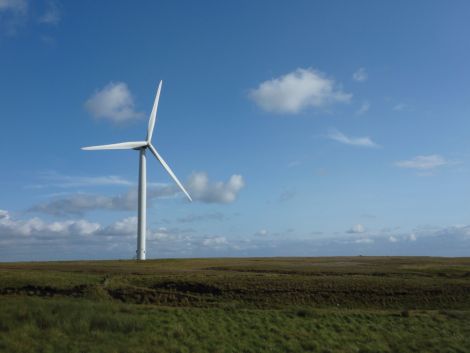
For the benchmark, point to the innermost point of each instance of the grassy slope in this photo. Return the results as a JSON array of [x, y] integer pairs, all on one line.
[[237, 305]]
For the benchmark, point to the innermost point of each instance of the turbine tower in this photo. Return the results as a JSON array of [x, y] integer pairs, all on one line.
[[142, 146]]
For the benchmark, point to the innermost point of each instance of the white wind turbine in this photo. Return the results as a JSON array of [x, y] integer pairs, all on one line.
[[142, 147]]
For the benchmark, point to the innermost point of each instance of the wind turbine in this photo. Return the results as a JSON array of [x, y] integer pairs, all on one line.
[[142, 146]]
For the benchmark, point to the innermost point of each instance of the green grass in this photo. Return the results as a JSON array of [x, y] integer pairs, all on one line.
[[65, 325], [349, 304]]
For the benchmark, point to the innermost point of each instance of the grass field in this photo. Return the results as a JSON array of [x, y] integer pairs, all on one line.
[[343, 304]]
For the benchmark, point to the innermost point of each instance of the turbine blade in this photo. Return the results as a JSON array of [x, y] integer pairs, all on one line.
[[153, 115], [117, 146], [168, 169]]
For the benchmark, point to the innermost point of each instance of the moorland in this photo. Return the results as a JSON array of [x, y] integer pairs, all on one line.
[[323, 304]]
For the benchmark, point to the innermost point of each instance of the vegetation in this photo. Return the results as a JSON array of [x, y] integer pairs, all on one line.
[[347, 304]]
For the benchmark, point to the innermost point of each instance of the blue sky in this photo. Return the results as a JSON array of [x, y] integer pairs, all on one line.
[[300, 128]]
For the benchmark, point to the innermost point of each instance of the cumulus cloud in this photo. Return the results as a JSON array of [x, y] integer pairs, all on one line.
[[35, 239], [114, 102], [356, 229], [463, 231], [124, 227], [37, 227], [360, 75], [52, 15], [423, 162], [199, 186], [127, 228], [203, 190], [298, 90], [165, 234], [214, 242], [424, 240], [338, 136]]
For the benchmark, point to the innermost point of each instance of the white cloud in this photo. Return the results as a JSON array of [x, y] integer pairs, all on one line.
[[14, 5], [37, 227], [114, 102], [357, 229], [214, 241], [161, 233], [35, 238], [199, 186], [4, 214], [297, 90], [354, 141], [423, 162], [262, 232], [201, 189], [364, 108], [38, 239], [360, 75], [124, 227], [462, 231], [127, 228], [53, 14]]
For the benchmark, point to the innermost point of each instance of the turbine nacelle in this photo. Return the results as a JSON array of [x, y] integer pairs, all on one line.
[[141, 147]]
